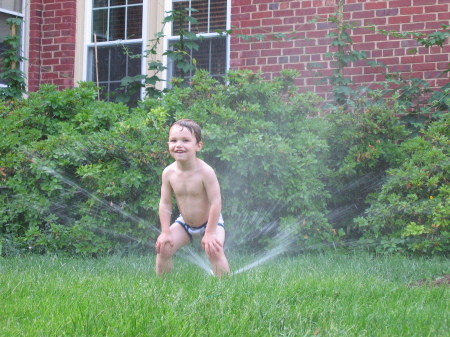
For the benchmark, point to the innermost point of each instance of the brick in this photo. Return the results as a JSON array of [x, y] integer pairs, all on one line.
[[411, 10], [241, 17], [250, 53], [375, 37], [412, 59], [250, 23], [424, 66], [443, 66], [261, 15], [52, 7], [399, 3], [387, 12], [249, 9], [363, 14], [399, 19], [433, 25], [272, 68], [65, 39], [270, 22], [363, 78], [270, 52], [376, 5], [424, 2], [293, 51], [293, 20], [444, 16], [261, 45], [306, 12], [353, 8], [409, 43], [48, 14], [424, 17], [375, 21], [316, 50], [326, 10], [413, 27], [284, 13], [250, 61], [261, 61]]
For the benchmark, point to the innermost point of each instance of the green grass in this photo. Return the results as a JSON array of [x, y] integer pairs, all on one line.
[[311, 295]]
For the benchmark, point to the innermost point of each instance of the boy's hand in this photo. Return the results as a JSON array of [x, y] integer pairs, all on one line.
[[161, 242], [211, 243]]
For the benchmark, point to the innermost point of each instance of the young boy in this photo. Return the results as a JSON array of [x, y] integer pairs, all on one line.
[[197, 193]]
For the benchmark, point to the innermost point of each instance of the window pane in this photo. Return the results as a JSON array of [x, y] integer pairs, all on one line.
[[211, 15], [100, 3], [118, 2], [100, 25], [117, 24], [132, 2], [210, 56], [4, 28], [218, 16], [115, 63], [218, 56], [134, 27], [11, 5], [175, 25], [201, 15]]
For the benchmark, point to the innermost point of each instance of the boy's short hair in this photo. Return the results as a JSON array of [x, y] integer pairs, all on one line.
[[192, 126]]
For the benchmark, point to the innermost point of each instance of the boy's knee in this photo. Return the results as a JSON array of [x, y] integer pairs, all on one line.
[[216, 255], [166, 254]]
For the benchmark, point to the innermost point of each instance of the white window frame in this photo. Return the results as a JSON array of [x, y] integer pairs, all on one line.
[[22, 29], [90, 44], [169, 38]]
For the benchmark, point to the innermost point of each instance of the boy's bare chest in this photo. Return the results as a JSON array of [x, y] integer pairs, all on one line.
[[185, 185]]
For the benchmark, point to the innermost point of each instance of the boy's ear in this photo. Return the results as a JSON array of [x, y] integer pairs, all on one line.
[[199, 146]]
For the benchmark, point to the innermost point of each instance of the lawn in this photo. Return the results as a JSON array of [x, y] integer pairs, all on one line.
[[308, 295]]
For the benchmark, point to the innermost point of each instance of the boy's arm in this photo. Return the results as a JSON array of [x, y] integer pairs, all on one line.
[[212, 187], [165, 213]]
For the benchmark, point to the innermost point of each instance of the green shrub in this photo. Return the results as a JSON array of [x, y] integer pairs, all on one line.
[[69, 163], [365, 143], [83, 176], [412, 210]]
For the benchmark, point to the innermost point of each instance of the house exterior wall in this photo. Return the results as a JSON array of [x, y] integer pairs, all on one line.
[[53, 31], [250, 17], [51, 45]]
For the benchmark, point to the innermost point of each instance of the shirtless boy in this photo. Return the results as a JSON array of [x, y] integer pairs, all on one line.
[[197, 193]]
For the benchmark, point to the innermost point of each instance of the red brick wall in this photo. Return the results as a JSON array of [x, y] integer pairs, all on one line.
[[274, 16], [52, 43]]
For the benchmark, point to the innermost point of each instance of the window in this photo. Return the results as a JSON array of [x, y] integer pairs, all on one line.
[[8, 9], [116, 38], [211, 55]]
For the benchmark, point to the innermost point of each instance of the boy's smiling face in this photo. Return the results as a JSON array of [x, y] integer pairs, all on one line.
[[182, 143]]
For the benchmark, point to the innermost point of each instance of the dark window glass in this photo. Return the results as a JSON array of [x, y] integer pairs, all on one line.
[[117, 24], [100, 3], [210, 56], [211, 16], [115, 63], [100, 25], [134, 26], [212, 51]]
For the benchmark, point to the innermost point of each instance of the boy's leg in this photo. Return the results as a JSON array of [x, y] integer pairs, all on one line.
[[219, 262], [164, 260]]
